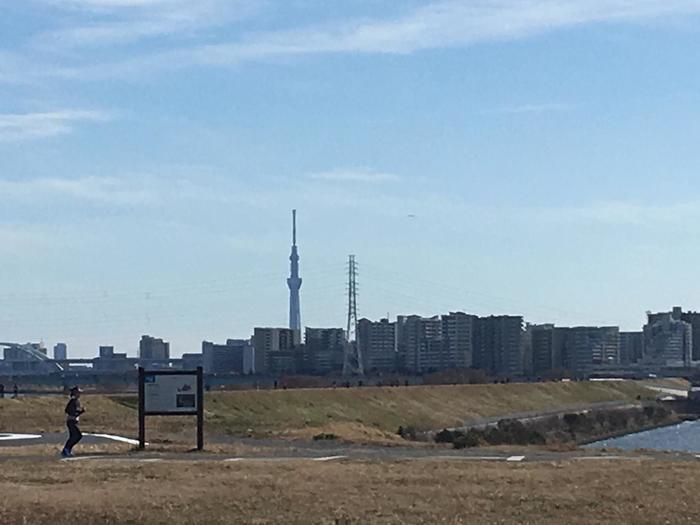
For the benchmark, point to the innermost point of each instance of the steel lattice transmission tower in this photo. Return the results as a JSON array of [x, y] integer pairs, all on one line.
[[352, 364]]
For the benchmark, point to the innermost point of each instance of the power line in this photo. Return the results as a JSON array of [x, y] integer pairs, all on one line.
[[492, 301]]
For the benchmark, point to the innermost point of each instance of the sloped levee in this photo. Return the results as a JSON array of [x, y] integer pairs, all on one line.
[[568, 428]]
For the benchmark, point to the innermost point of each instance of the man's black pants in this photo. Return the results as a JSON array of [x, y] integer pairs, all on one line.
[[74, 435]]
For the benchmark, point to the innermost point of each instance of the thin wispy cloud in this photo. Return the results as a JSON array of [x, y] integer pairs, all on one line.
[[355, 175], [185, 40], [100, 5], [452, 23], [23, 241], [94, 189], [114, 22], [535, 109], [29, 126], [18, 68], [624, 213]]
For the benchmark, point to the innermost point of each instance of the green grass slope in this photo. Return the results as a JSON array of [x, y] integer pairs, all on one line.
[[294, 412]]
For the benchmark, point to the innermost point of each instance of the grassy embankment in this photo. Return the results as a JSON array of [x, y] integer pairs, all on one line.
[[573, 492], [368, 413]]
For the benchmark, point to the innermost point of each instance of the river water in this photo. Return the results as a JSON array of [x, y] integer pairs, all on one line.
[[684, 437]]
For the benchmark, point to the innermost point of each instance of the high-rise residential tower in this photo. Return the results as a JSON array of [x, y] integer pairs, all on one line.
[[294, 281]]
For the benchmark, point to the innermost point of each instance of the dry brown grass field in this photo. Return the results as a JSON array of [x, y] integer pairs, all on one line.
[[571, 492]]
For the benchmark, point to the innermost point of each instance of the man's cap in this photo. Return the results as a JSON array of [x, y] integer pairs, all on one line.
[[76, 388]]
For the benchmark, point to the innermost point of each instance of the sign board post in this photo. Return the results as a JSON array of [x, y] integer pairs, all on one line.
[[171, 393]]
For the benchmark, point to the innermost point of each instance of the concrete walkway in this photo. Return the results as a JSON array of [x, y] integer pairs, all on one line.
[[284, 451]]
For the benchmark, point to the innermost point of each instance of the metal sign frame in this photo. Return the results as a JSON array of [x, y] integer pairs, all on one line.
[[198, 411]]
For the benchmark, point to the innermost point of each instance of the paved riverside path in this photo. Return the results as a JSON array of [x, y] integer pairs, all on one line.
[[271, 450], [9, 439]]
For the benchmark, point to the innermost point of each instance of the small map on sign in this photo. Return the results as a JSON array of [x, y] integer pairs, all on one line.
[[173, 394], [186, 401]]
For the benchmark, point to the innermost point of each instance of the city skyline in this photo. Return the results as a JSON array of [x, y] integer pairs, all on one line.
[[492, 346], [527, 158], [675, 313]]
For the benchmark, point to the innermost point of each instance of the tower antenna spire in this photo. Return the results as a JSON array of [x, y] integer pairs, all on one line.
[[294, 281]]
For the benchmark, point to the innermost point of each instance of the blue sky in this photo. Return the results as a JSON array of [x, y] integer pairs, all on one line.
[[533, 157]]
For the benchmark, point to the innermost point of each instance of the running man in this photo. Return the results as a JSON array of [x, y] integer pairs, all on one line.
[[73, 413]]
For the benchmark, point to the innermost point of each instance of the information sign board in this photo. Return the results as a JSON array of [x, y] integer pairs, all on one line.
[[171, 393]]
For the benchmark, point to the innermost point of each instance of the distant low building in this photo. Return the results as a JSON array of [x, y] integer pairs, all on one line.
[[592, 346], [111, 362], [277, 350], [151, 348], [584, 348], [541, 357], [60, 351], [419, 342], [693, 318], [234, 357], [499, 345], [458, 339], [324, 350], [192, 361], [631, 347]]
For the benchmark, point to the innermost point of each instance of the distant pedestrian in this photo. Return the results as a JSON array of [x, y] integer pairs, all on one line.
[[15, 392], [2, 391], [73, 413]]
